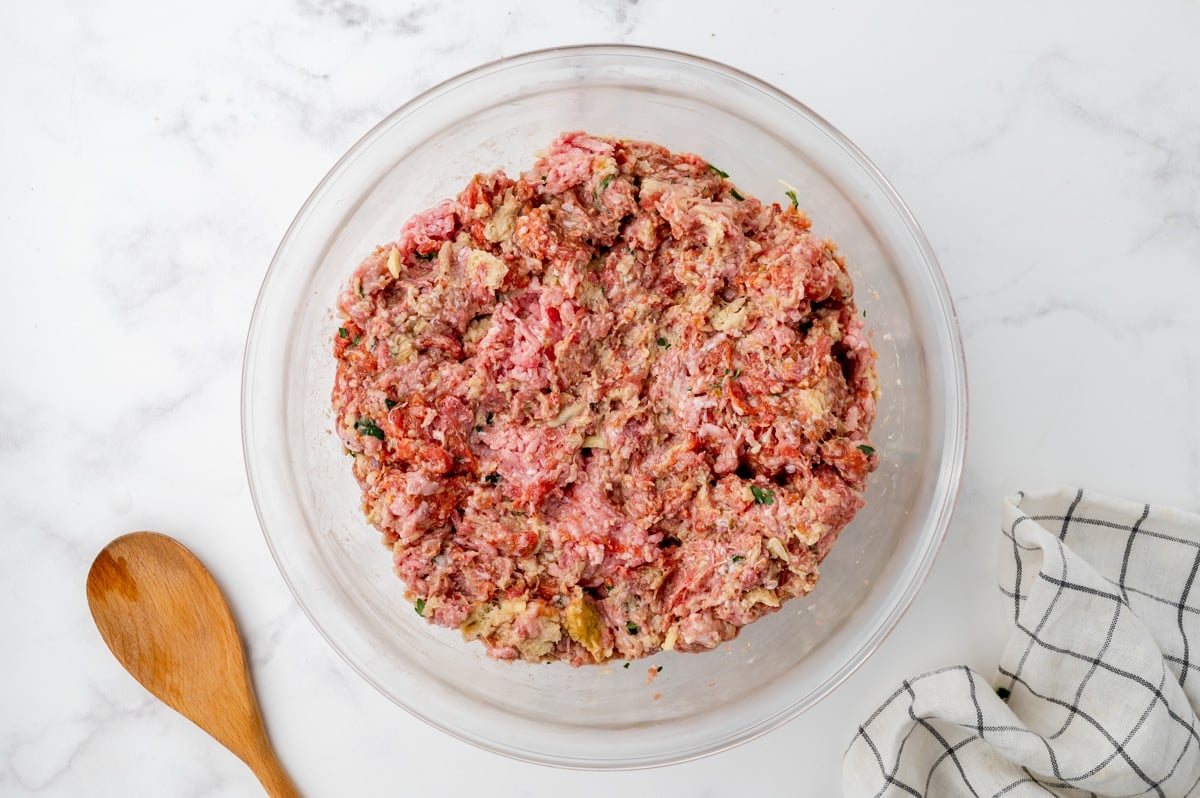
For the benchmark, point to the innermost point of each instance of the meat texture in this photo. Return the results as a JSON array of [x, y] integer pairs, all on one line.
[[608, 408]]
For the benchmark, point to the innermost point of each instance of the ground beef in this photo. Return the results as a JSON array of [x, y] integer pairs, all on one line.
[[611, 407]]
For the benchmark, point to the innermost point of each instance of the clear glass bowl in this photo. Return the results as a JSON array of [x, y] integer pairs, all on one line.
[[499, 115]]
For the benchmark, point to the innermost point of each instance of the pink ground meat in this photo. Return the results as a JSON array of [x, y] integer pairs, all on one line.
[[608, 408]]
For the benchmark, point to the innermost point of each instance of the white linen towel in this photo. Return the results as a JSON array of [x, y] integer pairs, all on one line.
[[1096, 687]]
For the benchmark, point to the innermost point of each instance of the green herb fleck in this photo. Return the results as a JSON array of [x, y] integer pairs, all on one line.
[[361, 295], [489, 418], [719, 172], [492, 479], [658, 669], [733, 192], [425, 255], [664, 343], [605, 182], [737, 373], [390, 403], [625, 666], [343, 332], [356, 340], [738, 557], [366, 426], [631, 627], [867, 450], [762, 495], [795, 200], [519, 513], [544, 178], [420, 607], [478, 428]]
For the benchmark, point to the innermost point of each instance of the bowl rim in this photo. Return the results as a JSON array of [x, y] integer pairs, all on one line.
[[946, 490]]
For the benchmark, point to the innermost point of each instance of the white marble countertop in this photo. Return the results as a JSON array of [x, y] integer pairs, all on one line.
[[154, 154]]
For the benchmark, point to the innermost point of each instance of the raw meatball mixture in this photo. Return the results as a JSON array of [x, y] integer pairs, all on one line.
[[610, 407]]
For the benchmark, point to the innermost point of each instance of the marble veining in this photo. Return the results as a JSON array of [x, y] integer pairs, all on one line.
[[155, 154]]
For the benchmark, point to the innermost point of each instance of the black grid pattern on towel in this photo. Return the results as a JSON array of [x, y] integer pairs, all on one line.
[[1140, 689]]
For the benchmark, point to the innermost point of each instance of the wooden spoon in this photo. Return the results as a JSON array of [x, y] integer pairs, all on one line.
[[164, 618]]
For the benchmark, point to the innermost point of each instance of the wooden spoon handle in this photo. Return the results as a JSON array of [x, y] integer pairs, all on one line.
[[270, 773]]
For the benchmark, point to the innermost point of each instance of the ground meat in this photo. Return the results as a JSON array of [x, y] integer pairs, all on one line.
[[608, 408]]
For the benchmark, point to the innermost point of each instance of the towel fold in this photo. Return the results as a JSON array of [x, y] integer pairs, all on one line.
[[1095, 690]]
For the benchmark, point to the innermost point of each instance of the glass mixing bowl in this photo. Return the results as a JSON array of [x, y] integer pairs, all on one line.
[[607, 716]]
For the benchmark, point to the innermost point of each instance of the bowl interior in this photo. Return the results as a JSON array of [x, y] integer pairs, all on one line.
[[601, 716]]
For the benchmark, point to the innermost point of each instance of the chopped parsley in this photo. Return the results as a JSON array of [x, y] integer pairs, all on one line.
[[390, 403], [631, 627], [625, 666], [357, 338], [365, 426], [738, 557], [867, 450], [762, 495], [361, 295], [658, 669], [733, 192], [420, 607], [792, 196], [737, 373], [605, 182], [664, 343], [492, 479], [343, 332], [719, 172]]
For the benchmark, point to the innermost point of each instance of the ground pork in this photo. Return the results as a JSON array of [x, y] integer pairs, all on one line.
[[611, 407]]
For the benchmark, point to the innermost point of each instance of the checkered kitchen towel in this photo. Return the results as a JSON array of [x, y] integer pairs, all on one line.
[[1096, 687]]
